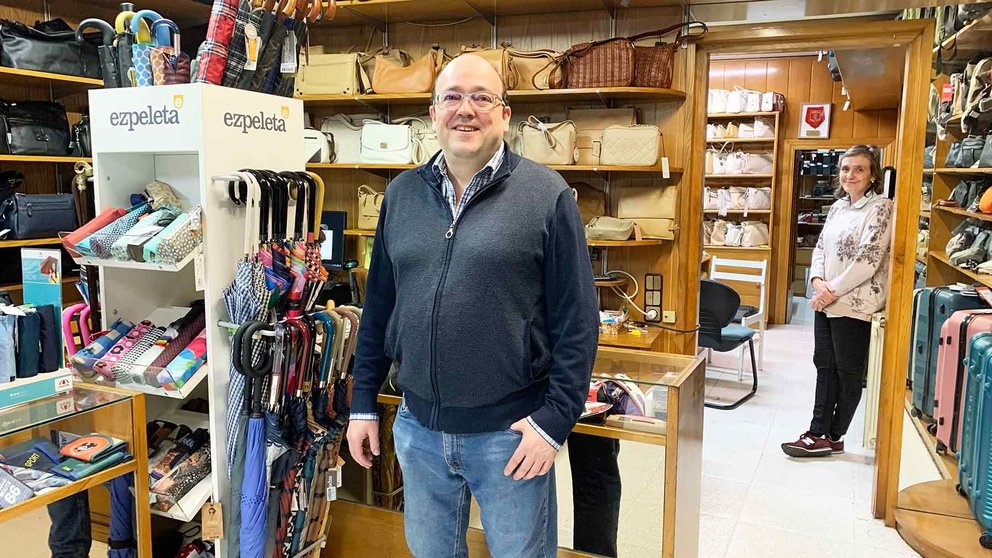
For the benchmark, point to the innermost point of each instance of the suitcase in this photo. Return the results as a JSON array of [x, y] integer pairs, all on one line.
[[952, 354], [933, 308], [975, 458]]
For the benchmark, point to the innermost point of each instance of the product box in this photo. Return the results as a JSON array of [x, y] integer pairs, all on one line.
[[24, 390]]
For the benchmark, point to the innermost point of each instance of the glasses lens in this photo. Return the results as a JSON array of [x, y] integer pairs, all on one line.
[[452, 99], [483, 101]]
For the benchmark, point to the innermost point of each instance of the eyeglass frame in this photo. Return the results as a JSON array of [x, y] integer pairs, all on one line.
[[500, 100]]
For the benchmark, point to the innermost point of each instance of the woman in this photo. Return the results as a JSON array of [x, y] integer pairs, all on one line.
[[849, 274]]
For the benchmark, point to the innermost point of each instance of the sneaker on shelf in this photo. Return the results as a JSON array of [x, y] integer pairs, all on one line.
[[808, 445], [836, 446]]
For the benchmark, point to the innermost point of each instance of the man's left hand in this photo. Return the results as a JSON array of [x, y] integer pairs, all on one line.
[[534, 456]]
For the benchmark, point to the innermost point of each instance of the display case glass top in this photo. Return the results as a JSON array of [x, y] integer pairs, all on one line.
[[644, 367], [81, 399]]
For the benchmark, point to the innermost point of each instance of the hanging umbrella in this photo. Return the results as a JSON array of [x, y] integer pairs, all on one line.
[[263, 20], [126, 39], [109, 64], [254, 487], [121, 543]]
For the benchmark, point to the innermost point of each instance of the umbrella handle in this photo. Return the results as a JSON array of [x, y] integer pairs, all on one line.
[[319, 207], [123, 25], [106, 31], [152, 16], [172, 39]]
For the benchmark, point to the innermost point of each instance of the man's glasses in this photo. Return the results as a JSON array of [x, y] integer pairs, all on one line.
[[481, 100]]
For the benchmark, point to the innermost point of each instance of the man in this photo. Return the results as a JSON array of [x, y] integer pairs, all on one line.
[[480, 289]]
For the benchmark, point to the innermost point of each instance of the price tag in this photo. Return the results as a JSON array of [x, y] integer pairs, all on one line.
[[332, 485], [251, 46], [947, 93], [212, 519], [288, 64], [665, 171], [198, 272]]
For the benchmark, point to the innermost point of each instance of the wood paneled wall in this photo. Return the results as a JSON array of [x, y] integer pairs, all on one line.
[[801, 79]]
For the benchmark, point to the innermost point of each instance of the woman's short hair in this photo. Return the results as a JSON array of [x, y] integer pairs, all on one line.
[[874, 155]]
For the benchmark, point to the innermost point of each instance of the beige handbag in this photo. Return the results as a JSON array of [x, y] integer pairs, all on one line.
[[330, 74], [745, 130], [500, 60], [758, 163], [631, 146], [418, 77], [369, 203], [708, 230], [533, 68], [717, 101], [346, 136], [589, 126], [367, 61], [753, 233], [425, 142], [548, 144], [732, 130], [719, 235], [651, 207], [609, 228]]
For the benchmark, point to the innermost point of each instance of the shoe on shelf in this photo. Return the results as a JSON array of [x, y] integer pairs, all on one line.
[[836, 446], [808, 445]]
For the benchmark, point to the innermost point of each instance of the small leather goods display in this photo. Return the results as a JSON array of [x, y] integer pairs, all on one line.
[[369, 203], [651, 207], [316, 146], [633, 146], [386, 143], [609, 228], [170, 65], [37, 215], [548, 144], [500, 60], [589, 126], [330, 74], [34, 128], [346, 136], [48, 47], [418, 77]]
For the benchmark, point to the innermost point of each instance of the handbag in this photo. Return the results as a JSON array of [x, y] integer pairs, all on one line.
[[771, 101], [369, 204], [38, 215], [651, 207], [367, 62], [735, 101], [718, 237], [758, 199], [316, 146], [533, 68], [717, 199], [970, 151], [548, 144], [738, 197], [425, 142], [55, 51], [170, 65], [984, 158], [346, 136], [745, 130], [589, 126], [655, 65], [717, 101], [609, 228], [330, 74], [386, 143], [734, 234], [764, 127], [753, 234], [928, 153], [34, 128], [736, 163], [591, 200], [500, 60], [604, 63], [953, 152], [758, 163], [418, 77], [634, 146], [79, 145], [707, 230]]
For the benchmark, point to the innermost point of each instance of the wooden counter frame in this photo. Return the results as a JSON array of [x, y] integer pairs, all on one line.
[[917, 37]]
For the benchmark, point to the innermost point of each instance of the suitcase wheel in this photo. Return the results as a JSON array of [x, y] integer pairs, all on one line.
[[941, 447], [985, 540], [960, 490], [932, 428], [914, 412]]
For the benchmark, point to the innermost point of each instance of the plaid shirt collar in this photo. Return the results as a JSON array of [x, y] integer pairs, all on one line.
[[481, 178]]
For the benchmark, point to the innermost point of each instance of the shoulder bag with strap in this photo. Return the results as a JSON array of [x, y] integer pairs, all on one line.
[[548, 144]]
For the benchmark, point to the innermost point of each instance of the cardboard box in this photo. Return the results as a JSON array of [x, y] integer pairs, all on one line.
[[24, 390]]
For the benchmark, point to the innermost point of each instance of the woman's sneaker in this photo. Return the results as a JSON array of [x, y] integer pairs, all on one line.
[[808, 445], [836, 447]]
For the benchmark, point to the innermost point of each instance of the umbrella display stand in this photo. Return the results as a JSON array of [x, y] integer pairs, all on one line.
[[184, 135]]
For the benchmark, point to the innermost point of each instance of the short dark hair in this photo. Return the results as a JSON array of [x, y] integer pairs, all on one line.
[[874, 156]]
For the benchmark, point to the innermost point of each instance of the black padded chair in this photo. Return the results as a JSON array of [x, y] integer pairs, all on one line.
[[718, 304]]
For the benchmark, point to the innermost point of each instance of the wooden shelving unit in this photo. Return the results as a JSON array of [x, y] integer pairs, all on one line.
[[959, 211], [62, 83], [521, 96], [763, 248], [30, 242], [718, 177], [740, 140], [738, 115], [966, 171], [738, 212]]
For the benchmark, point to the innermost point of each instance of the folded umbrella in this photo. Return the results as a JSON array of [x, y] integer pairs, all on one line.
[[126, 39], [109, 64]]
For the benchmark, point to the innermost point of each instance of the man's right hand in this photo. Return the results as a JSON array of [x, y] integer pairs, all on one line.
[[358, 432]]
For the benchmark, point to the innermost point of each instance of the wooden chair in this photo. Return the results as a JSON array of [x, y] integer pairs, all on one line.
[[757, 278]]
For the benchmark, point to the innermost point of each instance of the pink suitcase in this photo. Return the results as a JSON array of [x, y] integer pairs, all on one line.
[[952, 352]]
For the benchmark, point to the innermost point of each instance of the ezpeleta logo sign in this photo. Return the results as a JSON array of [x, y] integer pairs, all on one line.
[[147, 117], [260, 121]]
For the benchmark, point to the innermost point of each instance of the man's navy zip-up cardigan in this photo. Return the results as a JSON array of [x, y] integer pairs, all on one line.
[[490, 319]]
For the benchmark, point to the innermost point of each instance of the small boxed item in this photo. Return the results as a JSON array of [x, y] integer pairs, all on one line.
[[25, 390]]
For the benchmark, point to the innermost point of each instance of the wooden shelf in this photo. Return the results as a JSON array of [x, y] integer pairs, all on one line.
[[817, 198], [559, 168], [622, 281], [30, 242], [60, 82], [520, 96], [741, 211], [359, 166], [972, 38], [94, 480], [921, 259], [738, 176], [710, 247], [962, 212], [741, 114], [625, 243], [814, 224], [630, 340], [42, 159], [949, 170], [742, 140], [360, 232], [186, 13], [938, 522], [975, 277], [927, 171], [925, 214], [872, 76]]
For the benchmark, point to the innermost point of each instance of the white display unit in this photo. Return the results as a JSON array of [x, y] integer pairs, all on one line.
[[184, 135]]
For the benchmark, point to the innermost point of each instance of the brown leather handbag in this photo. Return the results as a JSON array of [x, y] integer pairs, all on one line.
[[655, 65], [606, 63], [418, 77]]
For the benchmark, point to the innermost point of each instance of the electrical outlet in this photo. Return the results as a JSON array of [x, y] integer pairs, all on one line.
[[668, 316], [652, 297]]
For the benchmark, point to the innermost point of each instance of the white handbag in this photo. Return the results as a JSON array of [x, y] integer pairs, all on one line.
[[719, 162], [752, 101], [735, 102], [548, 144], [734, 234], [718, 234], [716, 199], [316, 146], [745, 130], [753, 233], [425, 142], [771, 101], [758, 198], [346, 136], [712, 131], [738, 197], [764, 127], [736, 163], [717, 101], [631, 146], [386, 143], [758, 163]]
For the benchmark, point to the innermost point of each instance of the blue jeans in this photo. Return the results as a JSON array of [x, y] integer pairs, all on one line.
[[441, 471], [70, 536]]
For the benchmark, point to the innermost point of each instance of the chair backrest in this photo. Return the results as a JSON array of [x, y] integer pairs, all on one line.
[[717, 305], [757, 278]]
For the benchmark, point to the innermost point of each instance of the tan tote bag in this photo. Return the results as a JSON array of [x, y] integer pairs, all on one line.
[[418, 77], [369, 203], [548, 144], [589, 126], [651, 207]]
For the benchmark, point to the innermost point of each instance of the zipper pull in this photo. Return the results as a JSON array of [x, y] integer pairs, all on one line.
[[451, 231]]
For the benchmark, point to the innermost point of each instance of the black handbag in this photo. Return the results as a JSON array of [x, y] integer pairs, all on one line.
[[80, 144], [38, 215], [49, 46], [34, 128]]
